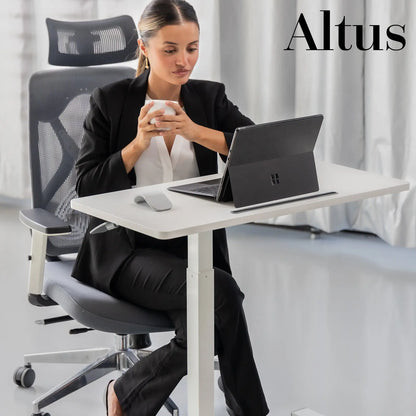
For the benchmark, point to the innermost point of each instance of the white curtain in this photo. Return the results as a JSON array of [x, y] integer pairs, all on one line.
[[13, 149], [390, 126], [367, 98]]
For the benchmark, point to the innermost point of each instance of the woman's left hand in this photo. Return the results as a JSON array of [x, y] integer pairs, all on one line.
[[177, 124]]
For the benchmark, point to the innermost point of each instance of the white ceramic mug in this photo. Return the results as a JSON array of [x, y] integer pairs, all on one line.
[[161, 105]]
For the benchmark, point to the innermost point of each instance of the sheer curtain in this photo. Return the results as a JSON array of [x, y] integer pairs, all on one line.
[[13, 149], [367, 98], [390, 126]]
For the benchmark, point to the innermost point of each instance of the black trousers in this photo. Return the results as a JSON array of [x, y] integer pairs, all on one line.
[[156, 279]]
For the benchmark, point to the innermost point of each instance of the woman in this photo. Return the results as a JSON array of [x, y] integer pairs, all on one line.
[[120, 149]]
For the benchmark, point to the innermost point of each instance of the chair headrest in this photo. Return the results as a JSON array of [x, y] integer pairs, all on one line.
[[94, 42]]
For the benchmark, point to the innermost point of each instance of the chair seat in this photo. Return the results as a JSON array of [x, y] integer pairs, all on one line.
[[96, 309]]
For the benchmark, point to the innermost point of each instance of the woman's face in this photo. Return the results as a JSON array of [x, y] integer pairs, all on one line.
[[173, 52]]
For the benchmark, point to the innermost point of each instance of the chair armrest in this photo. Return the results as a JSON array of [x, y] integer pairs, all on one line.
[[40, 220], [42, 224]]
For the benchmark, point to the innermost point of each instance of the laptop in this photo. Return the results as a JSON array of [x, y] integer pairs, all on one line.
[[266, 162]]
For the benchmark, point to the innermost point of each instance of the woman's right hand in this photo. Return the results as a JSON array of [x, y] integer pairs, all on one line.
[[145, 131]]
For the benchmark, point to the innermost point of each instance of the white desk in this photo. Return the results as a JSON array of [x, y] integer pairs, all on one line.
[[196, 218]]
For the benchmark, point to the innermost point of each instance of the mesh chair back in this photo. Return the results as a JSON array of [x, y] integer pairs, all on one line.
[[94, 42], [58, 104]]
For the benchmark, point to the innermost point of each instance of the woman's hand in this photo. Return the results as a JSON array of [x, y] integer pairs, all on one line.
[[183, 125], [145, 131], [177, 124]]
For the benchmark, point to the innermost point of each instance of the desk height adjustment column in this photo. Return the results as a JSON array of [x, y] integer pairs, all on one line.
[[200, 302]]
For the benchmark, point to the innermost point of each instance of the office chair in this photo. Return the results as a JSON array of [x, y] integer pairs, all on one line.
[[58, 104]]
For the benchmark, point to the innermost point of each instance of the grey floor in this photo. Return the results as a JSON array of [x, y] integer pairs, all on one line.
[[332, 320]]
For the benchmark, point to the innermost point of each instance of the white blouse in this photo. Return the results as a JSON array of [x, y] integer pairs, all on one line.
[[156, 165]]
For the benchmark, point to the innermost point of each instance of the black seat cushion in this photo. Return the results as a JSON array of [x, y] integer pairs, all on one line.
[[97, 309]]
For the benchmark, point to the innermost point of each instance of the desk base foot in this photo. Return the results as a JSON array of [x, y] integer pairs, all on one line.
[[305, 412]]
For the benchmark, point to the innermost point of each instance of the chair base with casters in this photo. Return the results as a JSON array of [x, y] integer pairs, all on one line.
[[119, 358], [51, 283]]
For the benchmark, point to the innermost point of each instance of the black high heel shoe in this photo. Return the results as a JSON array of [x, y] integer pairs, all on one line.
[[105, 398]]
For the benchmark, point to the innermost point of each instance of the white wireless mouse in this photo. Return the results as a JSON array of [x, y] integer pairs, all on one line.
[[156, 200]]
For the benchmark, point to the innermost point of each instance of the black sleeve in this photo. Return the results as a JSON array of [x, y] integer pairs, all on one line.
[[99, 167], [228, 115]]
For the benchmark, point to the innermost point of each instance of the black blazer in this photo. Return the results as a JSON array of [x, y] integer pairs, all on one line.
[[109, 126]]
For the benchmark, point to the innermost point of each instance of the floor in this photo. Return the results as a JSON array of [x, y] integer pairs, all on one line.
[[332, 321]]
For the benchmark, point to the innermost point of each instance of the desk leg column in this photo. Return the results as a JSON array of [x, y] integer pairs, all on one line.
[[200, 321]]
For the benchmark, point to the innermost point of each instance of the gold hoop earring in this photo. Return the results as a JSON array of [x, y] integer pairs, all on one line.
[[146, 63]]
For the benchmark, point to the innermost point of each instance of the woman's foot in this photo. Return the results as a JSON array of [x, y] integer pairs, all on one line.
[[112, 403]]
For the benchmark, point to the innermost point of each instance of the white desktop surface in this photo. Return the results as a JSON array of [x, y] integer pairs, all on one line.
[[191, 214], [196, 217]]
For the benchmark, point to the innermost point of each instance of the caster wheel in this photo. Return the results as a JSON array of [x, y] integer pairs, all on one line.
[[24, 376]]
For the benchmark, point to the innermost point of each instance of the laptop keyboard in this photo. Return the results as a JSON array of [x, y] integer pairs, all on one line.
[[206, 188]]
